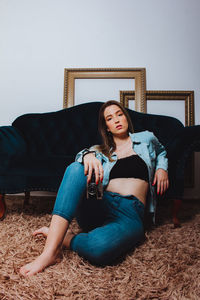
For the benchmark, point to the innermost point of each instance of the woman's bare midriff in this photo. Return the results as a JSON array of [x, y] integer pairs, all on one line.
[[129, 186]]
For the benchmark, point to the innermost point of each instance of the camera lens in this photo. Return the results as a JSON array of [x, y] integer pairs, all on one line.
[[92, 189]]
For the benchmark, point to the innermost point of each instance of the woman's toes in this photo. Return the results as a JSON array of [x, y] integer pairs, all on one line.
[[23, 271], [39, 264], [43, 230]]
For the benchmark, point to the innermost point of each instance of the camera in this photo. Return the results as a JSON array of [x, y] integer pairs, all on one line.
[[94, 191]]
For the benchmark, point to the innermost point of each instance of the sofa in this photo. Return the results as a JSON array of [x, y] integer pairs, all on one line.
[[37, 148]]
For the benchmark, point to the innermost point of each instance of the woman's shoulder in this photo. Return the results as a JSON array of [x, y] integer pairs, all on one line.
[[142, 136]]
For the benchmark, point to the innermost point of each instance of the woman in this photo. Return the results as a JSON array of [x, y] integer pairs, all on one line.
[[127, 164]]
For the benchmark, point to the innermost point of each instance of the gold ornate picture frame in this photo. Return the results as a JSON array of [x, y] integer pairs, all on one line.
[[186, 96], [138, 74]]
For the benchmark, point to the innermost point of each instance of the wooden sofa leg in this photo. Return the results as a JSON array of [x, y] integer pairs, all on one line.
[[26, 198], [2, 207], [176, 208]]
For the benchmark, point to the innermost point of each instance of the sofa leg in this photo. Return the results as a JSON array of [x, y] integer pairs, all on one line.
[[176, 208], [26, 198], [2, 207]]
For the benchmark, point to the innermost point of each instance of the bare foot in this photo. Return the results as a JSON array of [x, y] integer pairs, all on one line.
[[44, 231], [39, 264]]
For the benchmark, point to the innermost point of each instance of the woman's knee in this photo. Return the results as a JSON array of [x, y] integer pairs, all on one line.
[[101, 257], [104, 251], [75, 170], [75, 167], [98, 253]]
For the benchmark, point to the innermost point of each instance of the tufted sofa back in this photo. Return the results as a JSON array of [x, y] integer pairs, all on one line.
[[64, 132], [68, 131]]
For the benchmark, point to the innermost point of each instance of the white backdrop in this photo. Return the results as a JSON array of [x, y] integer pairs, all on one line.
[[39, 38]]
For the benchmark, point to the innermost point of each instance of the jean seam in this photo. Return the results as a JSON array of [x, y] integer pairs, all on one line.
[[138, 207]]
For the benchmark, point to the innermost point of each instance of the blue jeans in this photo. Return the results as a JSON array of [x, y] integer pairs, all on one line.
[[113, 225]]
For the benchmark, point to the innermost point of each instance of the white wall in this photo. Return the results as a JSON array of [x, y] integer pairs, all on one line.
[[39, 38]]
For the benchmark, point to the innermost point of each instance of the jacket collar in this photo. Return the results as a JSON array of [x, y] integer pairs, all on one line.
[[134, 138]]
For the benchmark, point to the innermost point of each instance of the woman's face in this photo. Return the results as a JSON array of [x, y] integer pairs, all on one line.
[[116, 120]]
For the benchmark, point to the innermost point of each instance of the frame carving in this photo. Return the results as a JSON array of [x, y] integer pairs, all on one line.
[[187, 96], [138, 74]]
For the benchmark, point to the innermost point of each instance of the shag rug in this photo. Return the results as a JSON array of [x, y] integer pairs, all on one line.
[[166, 266]]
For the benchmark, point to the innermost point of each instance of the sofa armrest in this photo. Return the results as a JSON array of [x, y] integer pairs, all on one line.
[[179, 149], [187, 140], [12, 147]]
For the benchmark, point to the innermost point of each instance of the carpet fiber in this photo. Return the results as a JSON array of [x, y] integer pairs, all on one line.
[[166, 266]]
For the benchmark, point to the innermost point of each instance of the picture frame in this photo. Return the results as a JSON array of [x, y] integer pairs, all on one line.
[[188, 98], [138, 74]]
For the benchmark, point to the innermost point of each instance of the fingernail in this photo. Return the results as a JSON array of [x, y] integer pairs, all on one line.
[[101, 180], [97, 182], [158, 193]]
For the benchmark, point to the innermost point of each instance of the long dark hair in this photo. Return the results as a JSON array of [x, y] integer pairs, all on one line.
[[107, 138]]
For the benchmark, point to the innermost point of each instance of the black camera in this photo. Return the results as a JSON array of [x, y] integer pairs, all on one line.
[[94, 191]]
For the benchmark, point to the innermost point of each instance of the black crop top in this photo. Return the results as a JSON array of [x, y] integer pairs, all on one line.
[[130, 167]]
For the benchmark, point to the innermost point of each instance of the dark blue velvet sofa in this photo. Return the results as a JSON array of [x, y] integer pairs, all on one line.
[[37, 148]]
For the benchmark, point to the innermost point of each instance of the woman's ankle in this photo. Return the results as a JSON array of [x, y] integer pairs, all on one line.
[[52, 251], [67, 240]]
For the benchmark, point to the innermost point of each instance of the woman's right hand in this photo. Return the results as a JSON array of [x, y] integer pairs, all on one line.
[[92, 163]]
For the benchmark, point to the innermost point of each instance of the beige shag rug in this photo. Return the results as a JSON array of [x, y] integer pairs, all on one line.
[[166, 266]]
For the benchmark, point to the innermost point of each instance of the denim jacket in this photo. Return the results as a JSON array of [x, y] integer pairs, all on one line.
[[147, 146]]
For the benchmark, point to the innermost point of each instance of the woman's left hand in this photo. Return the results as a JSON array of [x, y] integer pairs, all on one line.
[[161, 178]]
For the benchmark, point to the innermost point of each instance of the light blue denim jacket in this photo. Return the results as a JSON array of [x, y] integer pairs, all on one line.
[[147, 146]]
